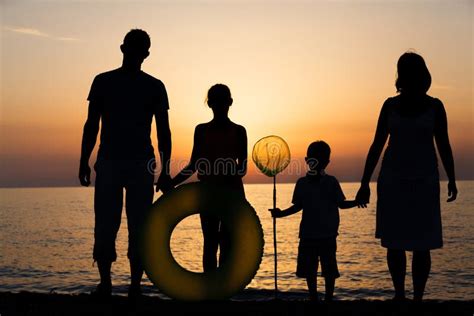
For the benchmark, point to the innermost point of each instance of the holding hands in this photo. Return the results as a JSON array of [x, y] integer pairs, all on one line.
[[363, 195], [164, 183], [85, 174], [452, 191]]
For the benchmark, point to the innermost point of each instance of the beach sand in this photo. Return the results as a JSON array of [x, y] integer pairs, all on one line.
[[26, 303]]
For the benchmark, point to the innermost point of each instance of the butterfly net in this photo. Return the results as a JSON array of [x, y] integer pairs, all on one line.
[[271, 155]]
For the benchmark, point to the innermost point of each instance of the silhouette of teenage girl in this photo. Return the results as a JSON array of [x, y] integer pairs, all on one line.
[[220, 157], [408, 200]]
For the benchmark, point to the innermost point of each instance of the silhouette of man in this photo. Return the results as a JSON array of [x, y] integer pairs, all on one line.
[[124, 100]]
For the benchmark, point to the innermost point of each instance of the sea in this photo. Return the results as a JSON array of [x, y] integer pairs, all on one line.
[[47, 237]]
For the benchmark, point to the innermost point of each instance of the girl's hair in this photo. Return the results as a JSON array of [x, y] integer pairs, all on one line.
[[218, 95], [413, 75]]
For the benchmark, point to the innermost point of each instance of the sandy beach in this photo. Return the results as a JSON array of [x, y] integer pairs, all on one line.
[[26, 303]]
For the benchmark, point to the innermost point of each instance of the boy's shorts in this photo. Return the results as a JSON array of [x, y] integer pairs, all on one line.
[[311, 251]]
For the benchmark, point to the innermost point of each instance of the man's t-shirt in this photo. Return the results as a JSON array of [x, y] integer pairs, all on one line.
[[319, 200], [127, 103]]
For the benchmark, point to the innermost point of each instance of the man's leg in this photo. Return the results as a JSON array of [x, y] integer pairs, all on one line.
[[108, 200], [138, 200]]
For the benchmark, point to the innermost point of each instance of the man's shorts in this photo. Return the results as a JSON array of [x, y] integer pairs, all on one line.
[[311, 251]]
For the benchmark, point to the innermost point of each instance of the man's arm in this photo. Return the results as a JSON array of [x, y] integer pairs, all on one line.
[[89, 138], [164, 149]]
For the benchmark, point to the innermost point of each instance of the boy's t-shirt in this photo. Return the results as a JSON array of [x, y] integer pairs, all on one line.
[[319, 199]]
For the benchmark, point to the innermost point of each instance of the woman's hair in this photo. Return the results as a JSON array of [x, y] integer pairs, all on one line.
[[413, 75], [219, 95]]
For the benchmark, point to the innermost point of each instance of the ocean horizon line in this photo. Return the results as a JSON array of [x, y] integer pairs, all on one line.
[[248, 183]]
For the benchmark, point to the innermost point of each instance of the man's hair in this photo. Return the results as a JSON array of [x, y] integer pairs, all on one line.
[[319, 149], [137, 39]]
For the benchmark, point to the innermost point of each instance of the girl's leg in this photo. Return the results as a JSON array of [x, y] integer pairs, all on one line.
[[224, 243], [210, 231], [312, 282], [329, 283], [397, 261], [421, 266]]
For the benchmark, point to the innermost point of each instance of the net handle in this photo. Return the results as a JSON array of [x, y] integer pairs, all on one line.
[[275, 240]]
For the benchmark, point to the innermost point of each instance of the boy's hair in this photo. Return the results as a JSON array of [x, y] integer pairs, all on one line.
[[137, 39], [319, 149], [219, 94]]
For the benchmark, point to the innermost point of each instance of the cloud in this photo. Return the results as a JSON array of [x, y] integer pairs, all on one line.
[[38, 33]]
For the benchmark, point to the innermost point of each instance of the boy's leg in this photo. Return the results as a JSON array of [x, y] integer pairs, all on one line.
[[138, 200], [312, 282], [307, 266], [329, 267], [421, 266], [108, 195], [397, 261], [329, 283]]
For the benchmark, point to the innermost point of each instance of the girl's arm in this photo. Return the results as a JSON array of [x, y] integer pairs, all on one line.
[[190, 169], [276, 212], [373, 156], [444, 149], [242, 154]]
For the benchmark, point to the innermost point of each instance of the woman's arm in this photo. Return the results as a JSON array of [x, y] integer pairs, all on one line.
[[444, 149], [381, 135], [190, 169]]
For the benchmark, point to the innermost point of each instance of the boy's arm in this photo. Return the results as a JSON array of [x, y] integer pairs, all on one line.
[[348, 204], [276, 212], [341, 201]]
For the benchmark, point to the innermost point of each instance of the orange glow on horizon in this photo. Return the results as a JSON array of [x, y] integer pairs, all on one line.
[[303, 71]]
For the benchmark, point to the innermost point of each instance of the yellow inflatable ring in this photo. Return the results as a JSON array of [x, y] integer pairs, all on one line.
[[245, 243]]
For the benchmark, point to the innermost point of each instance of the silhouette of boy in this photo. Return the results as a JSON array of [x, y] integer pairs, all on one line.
[[124, 100], [320, 196]]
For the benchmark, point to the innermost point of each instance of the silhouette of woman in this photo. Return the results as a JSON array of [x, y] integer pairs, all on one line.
[[408, 204], [220, 157]]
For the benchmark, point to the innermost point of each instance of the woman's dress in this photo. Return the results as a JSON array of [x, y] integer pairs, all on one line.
[[408, 203]]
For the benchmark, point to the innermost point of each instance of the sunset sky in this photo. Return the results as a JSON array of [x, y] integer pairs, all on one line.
[[304, 70]]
